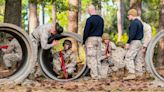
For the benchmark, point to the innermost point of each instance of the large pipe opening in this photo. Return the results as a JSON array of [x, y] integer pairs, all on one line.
[[26, 63], [47, 66], [152, 60]]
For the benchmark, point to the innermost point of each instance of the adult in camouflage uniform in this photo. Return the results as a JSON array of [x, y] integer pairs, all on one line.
[[13, 54], [106, 58], [70, 60], [134, 43], [141, 67], [40, 36], [91, 39]]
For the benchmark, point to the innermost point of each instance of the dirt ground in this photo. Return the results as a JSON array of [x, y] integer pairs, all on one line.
[[86, 84]]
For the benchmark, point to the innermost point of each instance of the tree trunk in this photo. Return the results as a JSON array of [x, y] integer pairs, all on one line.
[[79, 13], [99, 7], [161, 28], [13, 12], [73, 19], [120, 16], [33, 19], [53, 13], [136, 4], [97, 4], [43, 14]]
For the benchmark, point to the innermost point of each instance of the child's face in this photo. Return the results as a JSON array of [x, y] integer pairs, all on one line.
[[106, 41], [66, 47]]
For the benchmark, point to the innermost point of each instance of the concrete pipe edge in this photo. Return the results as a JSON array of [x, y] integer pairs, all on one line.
[[28, 62], [150, 53], [47, 72]]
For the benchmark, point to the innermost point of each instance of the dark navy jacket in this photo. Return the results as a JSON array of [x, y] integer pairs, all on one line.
[[94, 27], [135, 30]]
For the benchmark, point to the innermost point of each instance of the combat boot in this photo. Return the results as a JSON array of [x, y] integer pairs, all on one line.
[[110, 64], [148, 75], [139, 74], [114, 76], [125, 72], [121, 72], [130, 76], [61, 75]]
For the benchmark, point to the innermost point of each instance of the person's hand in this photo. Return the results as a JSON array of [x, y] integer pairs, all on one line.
[[108, 55], [55, 42], [3, 50], [144, 50], [83, 46], [127, 46]]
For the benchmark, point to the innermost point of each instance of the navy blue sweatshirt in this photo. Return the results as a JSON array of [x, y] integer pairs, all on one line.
[[135, 30], [94, 27]]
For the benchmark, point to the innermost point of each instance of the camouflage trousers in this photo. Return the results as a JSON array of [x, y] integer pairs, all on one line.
[[131, 61], [117, 61], [118, 65], [57, 67], [141, 66], [36, 71], [105, 68], [140, 61], [93, 53], [10, 59]]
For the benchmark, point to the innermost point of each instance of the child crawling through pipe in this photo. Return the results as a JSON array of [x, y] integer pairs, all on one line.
[[65, 62]]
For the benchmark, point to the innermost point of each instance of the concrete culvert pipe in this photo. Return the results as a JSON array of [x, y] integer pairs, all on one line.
[[150, 55], [46, 66], [27, 58]]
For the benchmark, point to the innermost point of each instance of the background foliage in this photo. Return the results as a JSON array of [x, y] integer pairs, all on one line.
[[150, 14]]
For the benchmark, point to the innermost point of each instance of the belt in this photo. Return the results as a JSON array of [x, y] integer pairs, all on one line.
[[33, 36]]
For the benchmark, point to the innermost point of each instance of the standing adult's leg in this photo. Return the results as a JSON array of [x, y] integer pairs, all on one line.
[[130, 57], [91, 52], [139, 63]]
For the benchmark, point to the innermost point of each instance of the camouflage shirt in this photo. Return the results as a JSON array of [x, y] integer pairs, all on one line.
[[14, 47], [147, 34], [69, 58], [41, 34], [111, 47]]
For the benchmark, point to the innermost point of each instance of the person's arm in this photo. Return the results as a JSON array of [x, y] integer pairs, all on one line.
[[11, 47], [86, 30], [132, 31], [44, 42], [147, 34], [73, 58]]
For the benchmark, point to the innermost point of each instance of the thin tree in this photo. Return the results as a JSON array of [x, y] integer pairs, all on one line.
[[160, 55], [97, 4], [33, 19], [136, 4], [79, 13], [120, 16], [54, 12], [73, 19], [43, 13]]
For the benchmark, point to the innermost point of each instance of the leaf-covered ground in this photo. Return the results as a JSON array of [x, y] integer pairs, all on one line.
[[85, 84]]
